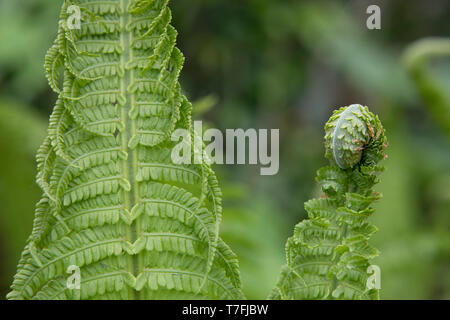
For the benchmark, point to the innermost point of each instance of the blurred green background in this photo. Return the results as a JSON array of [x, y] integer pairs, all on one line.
[[274, 64]]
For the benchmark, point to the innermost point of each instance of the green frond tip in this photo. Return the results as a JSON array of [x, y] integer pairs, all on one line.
[[354, 135], [116, 212], [328, 257]]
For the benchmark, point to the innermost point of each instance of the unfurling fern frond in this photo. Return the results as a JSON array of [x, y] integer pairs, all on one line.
[[137, 225], [328, 255]]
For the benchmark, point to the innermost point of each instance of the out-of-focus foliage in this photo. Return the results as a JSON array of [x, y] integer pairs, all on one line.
[[278, 64], [432, 79], [413, 219], [26, 30], [255, 233], [251, 225], [21, 130]]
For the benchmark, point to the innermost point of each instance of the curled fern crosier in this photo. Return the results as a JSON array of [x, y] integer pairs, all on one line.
[[328, 255], [114, 205]]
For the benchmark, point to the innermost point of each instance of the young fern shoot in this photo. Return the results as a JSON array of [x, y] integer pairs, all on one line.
[[328, 256], [114, 206]]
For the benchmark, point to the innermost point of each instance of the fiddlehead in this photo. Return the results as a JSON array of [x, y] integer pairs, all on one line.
[[329, 254], [115, 205]]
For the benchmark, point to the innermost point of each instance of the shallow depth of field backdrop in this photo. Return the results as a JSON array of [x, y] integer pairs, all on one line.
[[274, 64]]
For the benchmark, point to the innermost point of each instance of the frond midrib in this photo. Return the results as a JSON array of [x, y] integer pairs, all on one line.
[[129, 164]]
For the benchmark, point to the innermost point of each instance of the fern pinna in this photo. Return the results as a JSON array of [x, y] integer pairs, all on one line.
[[114, 205], [328, 255]]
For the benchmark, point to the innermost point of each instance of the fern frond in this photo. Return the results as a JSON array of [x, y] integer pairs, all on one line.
[[114, 204], [328, 255]]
